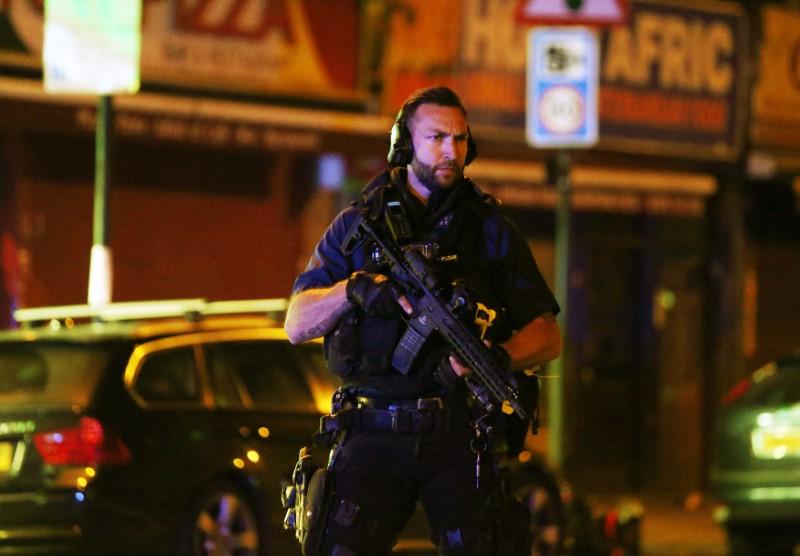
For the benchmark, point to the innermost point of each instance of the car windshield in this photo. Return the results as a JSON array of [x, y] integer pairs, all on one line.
[[49, 373], [775, 384]]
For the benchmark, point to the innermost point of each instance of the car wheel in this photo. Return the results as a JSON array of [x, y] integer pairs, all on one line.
[[538, 490], [222, 522]]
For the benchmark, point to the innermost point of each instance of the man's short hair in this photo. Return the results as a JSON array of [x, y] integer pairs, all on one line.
[[401, 146], [441, 95]]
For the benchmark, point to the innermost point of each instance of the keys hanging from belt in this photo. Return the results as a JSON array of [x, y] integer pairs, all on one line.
[[478, 446]]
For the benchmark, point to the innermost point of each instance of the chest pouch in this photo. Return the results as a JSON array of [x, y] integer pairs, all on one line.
[[341, 346], [362, 345]]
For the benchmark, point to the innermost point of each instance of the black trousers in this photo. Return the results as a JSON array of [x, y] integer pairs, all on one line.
[[378, 478]]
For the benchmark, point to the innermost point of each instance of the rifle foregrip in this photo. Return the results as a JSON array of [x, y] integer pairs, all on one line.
[[485, 371]]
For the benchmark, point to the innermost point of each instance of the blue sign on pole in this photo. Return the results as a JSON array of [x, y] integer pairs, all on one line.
[[562, 87]]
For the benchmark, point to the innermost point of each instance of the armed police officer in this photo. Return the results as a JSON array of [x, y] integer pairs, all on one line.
[[407, 421]]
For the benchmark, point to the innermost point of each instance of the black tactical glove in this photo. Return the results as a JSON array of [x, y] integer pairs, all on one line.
[[375, 293], [502, 357], [447, 377]]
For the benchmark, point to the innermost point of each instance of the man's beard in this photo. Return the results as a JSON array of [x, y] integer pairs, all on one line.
[[427, 174]]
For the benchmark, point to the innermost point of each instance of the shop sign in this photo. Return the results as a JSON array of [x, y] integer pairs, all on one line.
[[672, 81], [776, 102], [209, 131], [481, 53], [599, 201], [302, 48]]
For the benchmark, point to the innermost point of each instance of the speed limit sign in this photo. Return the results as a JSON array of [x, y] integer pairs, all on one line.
[[562, 87]]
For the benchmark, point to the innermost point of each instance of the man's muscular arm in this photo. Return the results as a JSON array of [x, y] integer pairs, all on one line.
[[537, 342], [313, 313]]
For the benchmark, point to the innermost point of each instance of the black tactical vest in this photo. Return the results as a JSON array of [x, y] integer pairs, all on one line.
[[359, 349]]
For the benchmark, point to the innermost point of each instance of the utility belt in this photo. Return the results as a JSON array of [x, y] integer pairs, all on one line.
[[400, 416]]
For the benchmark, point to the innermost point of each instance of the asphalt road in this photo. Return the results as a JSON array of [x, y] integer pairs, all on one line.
[[671, 525], [670, 528]]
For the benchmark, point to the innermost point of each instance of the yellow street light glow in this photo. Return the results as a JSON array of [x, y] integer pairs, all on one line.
[[90, 472], [238, 463], [81, 482], [263, 432], [253, 456]]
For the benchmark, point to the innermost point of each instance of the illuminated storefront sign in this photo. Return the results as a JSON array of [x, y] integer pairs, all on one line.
[[776, 103], [672, 79], [288, 47]]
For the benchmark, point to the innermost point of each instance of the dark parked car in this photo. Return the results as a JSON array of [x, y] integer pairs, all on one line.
[[166, 428], [146, 435], [756, 461]]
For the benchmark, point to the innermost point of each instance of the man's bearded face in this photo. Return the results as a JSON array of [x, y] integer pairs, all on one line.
[[437, 176], [440, 137]]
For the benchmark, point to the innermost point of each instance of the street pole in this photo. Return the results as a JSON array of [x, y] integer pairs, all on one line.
[[100, 265], [95, 47], [555, 388]]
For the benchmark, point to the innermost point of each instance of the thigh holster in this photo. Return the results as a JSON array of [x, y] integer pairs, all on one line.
[[307, 500]]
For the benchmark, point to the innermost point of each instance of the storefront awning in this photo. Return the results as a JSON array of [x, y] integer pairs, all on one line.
[[598, 188], [223, 123], [200, 120]]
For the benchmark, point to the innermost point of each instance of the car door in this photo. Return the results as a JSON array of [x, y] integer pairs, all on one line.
[[174, 446], [262, 392]]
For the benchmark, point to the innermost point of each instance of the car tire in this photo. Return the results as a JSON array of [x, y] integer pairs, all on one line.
[[537, 488], [222, 520]]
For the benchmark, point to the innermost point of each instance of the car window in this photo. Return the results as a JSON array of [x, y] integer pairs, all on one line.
[[267, 373], [49, 372], [168, 376], [226, 386], [775, 384]]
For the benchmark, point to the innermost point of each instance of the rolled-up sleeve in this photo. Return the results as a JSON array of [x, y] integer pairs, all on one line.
[[516, 277], [328, 264]]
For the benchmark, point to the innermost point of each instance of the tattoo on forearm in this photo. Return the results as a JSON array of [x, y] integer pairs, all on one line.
[[315, 331], [328, 322]]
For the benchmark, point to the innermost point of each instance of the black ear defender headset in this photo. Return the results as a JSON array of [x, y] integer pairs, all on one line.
[[401, 148]]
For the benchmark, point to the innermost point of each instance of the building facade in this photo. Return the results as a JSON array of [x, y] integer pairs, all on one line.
[[255, 126]]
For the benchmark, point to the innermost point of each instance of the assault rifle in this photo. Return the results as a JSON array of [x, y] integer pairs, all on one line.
[[490, 384]]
